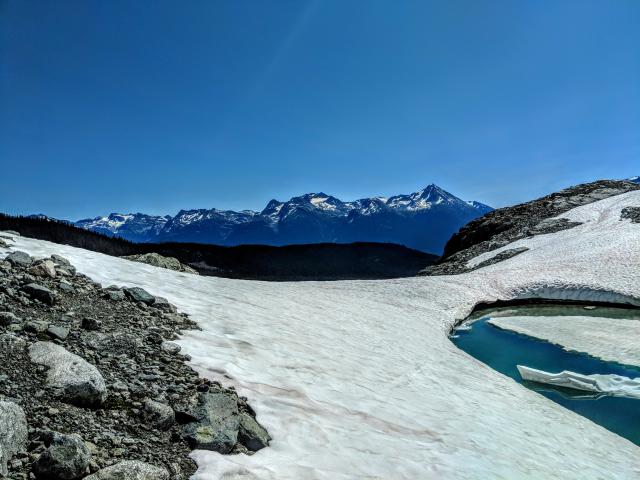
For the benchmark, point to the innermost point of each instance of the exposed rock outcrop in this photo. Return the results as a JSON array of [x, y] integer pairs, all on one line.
[[506, 225], [158, 260]]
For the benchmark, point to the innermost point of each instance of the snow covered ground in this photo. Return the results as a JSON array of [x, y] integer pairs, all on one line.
[[612, 339], [358, 379]]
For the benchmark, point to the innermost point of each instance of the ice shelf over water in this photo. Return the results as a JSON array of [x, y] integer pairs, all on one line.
[[609, 384], [358, 380], [610, 339]]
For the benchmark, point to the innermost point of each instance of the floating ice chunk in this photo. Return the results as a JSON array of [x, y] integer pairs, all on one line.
[[615, 385]]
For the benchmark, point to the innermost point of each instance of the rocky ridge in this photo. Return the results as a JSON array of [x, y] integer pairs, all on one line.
[[506, 225], [92, 386]]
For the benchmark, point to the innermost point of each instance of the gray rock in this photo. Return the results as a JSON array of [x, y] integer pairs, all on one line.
[[116, 294], [171, 347], [58, 260], [76, 380], [631, 213], [19, 259], [130, 470], [7, 318], [66, 458], [140, 295], [66, 286], [39, 292], [13, 432], [43, 268], [90, 324], [251, 434], [217, 423], [36, 326], [159, 415], [163, 304], [61, 333]]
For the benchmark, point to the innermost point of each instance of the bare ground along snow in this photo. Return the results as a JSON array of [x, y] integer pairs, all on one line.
[[616, 340], [357, 379]]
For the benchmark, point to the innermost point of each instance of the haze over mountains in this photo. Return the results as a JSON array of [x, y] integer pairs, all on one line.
[[423, 220]]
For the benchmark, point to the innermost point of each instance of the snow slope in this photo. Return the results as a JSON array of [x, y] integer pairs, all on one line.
[[359, 380], [606, 338]]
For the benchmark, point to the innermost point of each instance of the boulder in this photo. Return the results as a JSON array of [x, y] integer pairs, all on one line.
[[114, 294], [163, 304], [19, 259], [130, 470], [13, 432], [171, 347], [251, 434], [58, 260], [140, 295], [216, 423], [55, 331], [39, 292], [66, 458], [7, 318], [159, 415], [43, 268], [74, 379]]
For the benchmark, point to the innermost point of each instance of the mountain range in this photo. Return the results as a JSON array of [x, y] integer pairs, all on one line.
[[423, 220]]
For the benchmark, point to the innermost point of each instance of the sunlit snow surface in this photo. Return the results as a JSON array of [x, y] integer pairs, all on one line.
[[359, 380]]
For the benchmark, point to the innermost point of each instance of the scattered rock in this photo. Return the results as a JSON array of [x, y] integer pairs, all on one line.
[[164, 305], [61, 333], [66, 286], [140, 295], [19, 259], [59, 260], [171, 347], [251, 434], [631, 213], [43, 268], [66, 458], [36, 326], [75, 379], [157, 260], [38, 292], [217, 423], [159, 415], [13, 432], [130, 470], [7, 318], [89, 323], [115, 294]]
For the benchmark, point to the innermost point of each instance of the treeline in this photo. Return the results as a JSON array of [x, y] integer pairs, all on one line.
[[322, 261]]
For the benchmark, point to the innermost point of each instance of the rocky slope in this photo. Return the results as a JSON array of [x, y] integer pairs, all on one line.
[[91, 385], [423, 220], [505, 225]]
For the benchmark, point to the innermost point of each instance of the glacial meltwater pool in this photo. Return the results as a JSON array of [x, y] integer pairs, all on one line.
[[504, 349]]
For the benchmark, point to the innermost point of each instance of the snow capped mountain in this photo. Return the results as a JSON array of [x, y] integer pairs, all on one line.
[[635, 179], [423, 220], [137, 227]]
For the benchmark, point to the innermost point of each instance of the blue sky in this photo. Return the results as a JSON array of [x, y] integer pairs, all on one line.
[[159, 105]]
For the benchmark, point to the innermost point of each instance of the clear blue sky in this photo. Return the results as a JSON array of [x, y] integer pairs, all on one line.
[[159, 105]]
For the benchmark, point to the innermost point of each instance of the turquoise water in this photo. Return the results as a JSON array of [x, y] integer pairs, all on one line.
[[503, 350]]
